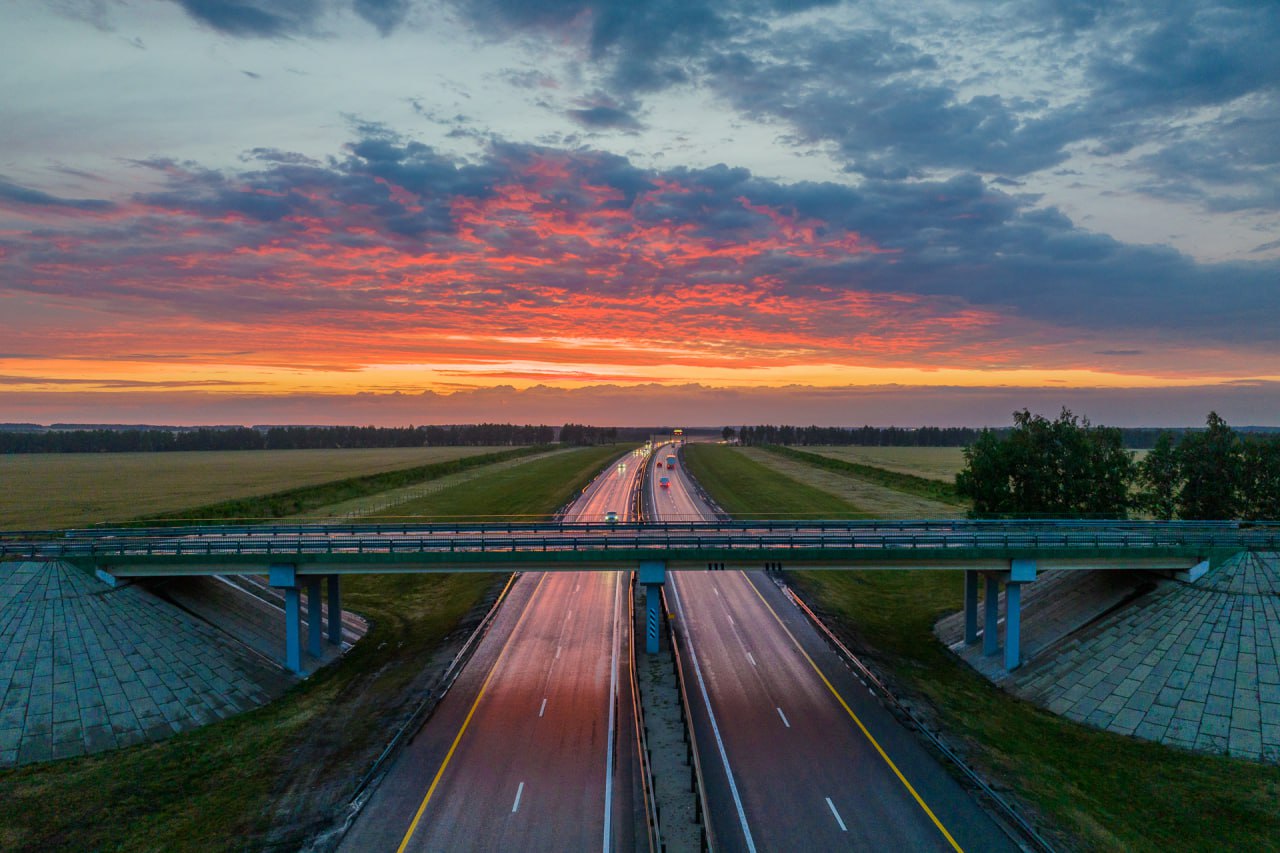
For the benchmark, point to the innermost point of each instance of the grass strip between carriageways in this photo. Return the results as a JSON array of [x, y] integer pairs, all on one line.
[[306, 498], [922, 487], [272, 777], [747, 489], [1098, 790]]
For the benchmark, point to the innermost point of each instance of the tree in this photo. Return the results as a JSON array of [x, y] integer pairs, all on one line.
[[1209, 462], [1260, 479], [1064, 467], [987, 476], [727, 433], [1161, 478]]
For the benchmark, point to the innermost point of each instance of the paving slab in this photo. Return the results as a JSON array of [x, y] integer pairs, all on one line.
[[88, 667], [1192, 665]]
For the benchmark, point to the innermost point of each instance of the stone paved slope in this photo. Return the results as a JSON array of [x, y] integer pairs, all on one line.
[[85, 667], [1194, 665]]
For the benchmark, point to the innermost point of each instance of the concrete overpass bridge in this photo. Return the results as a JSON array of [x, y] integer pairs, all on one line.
[[312, 557]]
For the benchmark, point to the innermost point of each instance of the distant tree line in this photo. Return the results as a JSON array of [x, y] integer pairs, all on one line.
[[867, 436], [1137, 438], [1069, 468], [273, 438], [582, 434]]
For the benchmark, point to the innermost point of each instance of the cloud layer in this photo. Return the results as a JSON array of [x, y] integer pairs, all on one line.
[[327, 196]]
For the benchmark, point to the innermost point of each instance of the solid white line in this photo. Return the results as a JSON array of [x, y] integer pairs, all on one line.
[[784, 718], [516, 805], [716, 591], [558, 652], [832, 806], [613, 702], [543, 708], [731, 622], [715, 728], [750, 658]]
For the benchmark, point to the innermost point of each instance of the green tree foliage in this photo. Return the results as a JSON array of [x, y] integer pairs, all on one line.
[[987, 476], [1209, 464], [1160, 478], [1260, 479], [1065, 467]]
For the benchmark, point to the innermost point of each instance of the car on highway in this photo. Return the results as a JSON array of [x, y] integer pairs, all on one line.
[[611, 516], [665, 482]]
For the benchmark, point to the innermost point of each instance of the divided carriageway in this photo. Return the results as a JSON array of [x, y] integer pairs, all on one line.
[[533, 746], [795, 752]]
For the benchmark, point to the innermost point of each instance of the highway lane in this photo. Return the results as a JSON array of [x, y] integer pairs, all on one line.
[[529, 750], [796, 752]]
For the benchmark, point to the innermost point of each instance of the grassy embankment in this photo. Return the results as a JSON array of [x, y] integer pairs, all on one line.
[[50, 490], [1104, 791], [923, 487], [231, 785]]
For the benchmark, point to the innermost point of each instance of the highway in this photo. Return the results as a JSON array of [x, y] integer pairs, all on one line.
[[796, 753], [529, 750]]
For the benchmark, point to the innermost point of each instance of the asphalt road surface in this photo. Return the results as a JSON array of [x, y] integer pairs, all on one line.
[[797, 754], [533, 747]]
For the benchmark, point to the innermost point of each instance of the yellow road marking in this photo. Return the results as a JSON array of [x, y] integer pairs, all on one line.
[[413, 826], [854, 717]]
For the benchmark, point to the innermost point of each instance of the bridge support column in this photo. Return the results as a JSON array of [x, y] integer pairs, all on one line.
[[991, 614], [314, 628], [970, 607], [1020, 572], [653, 574], [285, 576], [335, 610], [1012, 625]]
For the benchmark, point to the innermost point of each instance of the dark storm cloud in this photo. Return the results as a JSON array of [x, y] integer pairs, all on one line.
[[604, 118], [12, 193], [289, 18], [1189, 55], [256, 18], [386, 15]]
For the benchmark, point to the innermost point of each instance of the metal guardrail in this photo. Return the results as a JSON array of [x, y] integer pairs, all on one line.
[[703, 815], [877, 687], [422, 711], [560, 527], [604, 538], [654, 830]]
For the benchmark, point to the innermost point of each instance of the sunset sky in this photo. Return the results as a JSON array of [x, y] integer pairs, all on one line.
[[697, 212]]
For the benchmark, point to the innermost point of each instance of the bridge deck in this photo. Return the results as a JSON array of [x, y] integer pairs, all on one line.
[[329, 549]]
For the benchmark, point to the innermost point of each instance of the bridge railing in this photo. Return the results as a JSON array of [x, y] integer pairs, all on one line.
[[291, 541], [524, 527]]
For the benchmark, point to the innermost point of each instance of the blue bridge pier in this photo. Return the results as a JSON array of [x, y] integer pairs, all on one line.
[[285, 577], [1020, 571]]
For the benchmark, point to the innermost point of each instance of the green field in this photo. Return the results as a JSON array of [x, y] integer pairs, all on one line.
[[890, 494], [1099, 791], [272, 778], [934, 463], [51, 490]]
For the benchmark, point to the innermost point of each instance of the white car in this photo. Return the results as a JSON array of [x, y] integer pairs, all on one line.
[[611, 516]]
